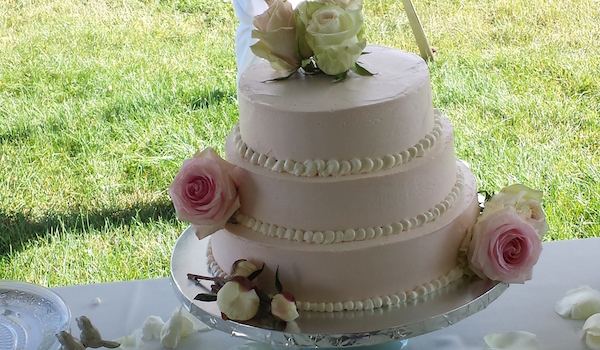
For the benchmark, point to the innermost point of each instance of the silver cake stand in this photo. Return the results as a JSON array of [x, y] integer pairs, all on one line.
[[429, 313]]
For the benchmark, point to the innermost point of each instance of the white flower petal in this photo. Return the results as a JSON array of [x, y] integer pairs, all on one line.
[[172, 331], [579, 303], [197, 325], [591, 332], [132, 341], [152, 327], [512, 341]]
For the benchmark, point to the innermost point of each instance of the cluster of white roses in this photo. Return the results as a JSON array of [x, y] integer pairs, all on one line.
[[323, 34], [239, 299]]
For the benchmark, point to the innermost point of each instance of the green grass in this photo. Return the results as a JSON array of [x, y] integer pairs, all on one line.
[[100, 101]]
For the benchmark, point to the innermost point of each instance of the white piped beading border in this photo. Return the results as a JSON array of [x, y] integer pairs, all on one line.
[[357, 305], [332, 167], [349, 235]]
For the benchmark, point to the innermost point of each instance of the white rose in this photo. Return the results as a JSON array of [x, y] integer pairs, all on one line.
[[526, 201], [283, 307], [591, 332], [276, 34], [333, 34], [238, 300], [243, 268]]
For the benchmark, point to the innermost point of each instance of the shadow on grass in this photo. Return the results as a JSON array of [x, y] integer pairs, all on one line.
[[207, 98], [18, 229]]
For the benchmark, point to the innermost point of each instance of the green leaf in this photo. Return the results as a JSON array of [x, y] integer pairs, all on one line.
[[309, 66], [255, 274], [277, 281], [360, 70], [282, 78], [206, 297], [340, 77]]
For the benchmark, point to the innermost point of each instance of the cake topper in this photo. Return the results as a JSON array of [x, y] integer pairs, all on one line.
[[317, 36]]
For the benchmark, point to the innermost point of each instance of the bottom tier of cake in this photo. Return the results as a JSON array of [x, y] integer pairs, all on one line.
[[361, 274]]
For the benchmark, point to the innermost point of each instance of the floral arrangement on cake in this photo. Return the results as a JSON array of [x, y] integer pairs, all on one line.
[[321, 35], [239, 299], [204, 192], [506, 241]]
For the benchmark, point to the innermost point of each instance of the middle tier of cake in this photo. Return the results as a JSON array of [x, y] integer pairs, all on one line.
[[411, 188]]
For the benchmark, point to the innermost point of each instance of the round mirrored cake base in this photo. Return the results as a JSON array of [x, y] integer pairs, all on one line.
[[431, 312]]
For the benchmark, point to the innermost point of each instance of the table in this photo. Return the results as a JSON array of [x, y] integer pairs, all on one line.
[[529, 307]]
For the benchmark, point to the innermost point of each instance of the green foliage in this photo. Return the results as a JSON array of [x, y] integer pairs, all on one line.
[[100, 101]]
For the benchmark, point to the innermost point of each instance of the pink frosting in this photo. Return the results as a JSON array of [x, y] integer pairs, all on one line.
[[504, 247], [331, 272]]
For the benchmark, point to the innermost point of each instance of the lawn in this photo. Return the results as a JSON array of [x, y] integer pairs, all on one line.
[[100, 101]]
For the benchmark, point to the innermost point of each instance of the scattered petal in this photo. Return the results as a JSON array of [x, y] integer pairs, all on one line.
[[152, 328], [197, 325], [132, 341], [174, 329], [512, 341], [591, 332], [579, 303]]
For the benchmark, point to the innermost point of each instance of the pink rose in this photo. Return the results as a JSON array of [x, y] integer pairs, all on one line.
[[204, 192], [283, 307], [276, 32], [504, 247]]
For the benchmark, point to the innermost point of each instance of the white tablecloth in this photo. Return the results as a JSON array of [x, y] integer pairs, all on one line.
[[530, 307]]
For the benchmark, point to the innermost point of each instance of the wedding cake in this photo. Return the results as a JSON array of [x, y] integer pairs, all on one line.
[[345, 186], [351, 189]]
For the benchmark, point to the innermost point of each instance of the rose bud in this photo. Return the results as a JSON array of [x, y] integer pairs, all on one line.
[[238, 300], [283, 307], [243, 268]]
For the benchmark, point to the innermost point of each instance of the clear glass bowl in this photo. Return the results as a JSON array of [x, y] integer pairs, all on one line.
[[30, 316]]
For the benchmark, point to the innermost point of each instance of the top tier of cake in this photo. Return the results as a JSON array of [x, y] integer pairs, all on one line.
[[307, 117]]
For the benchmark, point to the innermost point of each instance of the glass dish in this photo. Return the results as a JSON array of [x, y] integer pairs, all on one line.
[[30, 316]]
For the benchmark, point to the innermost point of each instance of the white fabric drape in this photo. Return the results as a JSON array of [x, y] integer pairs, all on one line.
[[245, 11]]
